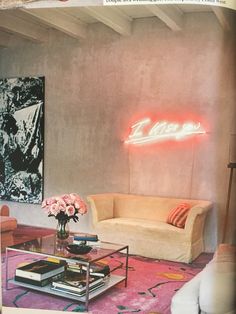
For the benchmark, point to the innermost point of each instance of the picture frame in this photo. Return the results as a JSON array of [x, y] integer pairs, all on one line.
[[22, 139]]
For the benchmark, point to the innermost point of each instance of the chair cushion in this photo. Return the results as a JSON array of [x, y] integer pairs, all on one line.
[[178, 215], [217, 288], [7, 223]]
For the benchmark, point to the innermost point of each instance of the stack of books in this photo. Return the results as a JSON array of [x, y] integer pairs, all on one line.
[[40, 273], [75, 283], [96, 269]]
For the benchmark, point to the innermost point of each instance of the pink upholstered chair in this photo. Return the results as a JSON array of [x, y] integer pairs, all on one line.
[[7, 225]]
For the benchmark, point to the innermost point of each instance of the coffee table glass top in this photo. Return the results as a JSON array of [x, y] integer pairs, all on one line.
[[51, 246]]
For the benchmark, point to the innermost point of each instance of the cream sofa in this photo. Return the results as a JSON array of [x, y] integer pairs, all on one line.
[[140, 222], [213, 290]]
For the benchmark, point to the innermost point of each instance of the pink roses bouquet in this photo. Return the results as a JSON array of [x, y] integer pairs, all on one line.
[[65, 207]]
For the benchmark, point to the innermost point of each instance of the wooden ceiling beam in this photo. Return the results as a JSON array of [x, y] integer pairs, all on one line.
[[112, 18], [170, 15], [222, 16], [60, 21], [16, 25]]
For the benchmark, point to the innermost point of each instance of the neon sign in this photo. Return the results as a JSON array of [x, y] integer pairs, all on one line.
[[142, 132]]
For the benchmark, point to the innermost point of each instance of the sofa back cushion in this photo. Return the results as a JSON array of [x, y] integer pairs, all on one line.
[[102, 206], [145, 207]]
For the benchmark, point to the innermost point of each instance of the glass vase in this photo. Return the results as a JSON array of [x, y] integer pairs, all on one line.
[[62, 229]]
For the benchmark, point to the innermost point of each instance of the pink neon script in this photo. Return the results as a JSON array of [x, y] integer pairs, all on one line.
[[162, 130]]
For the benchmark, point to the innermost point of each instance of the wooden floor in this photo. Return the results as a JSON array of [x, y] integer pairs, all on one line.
[[25, 233]]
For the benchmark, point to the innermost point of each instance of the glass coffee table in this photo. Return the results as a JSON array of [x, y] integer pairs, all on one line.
[[49, 246]]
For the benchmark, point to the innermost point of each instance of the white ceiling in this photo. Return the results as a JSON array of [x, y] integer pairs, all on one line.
[[33, 21]]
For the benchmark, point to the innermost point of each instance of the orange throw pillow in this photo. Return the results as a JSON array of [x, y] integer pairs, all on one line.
[[178, 215]]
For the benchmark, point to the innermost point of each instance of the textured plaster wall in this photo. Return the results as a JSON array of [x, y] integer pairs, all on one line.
[[95, 89]]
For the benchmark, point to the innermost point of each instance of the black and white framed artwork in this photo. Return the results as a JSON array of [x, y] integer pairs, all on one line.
[[21, 139]]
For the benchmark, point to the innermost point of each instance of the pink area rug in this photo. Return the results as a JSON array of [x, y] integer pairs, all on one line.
[[151, 285]]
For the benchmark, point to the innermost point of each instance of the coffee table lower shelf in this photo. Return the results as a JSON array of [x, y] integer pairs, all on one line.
[[113, 280]]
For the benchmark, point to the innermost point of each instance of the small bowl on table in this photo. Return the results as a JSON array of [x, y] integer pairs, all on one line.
[[78, 248]]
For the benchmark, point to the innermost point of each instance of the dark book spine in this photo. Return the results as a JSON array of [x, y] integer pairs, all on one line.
[[39, 283]]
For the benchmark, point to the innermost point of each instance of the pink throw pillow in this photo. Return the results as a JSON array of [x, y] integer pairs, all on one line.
[[178, 215]]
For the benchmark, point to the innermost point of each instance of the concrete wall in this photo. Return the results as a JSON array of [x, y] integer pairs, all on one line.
[[97, 88]]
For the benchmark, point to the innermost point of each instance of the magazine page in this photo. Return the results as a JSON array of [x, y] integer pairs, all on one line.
[[223, 3], [117, 156]]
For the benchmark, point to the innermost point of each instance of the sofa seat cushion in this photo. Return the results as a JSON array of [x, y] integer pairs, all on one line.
[[146, 237], [7, 223], [141, 227]]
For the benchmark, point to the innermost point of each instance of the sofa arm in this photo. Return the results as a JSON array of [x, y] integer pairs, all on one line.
[[196, 218], [186, 300], [101, 207], [217, 289]]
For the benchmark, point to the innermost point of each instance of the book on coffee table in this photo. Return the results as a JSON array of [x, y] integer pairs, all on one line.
[[39, 270], [39, 283], [85, 237], [95, 244]]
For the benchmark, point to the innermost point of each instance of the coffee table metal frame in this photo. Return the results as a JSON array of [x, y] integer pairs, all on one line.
[[105, 249]]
